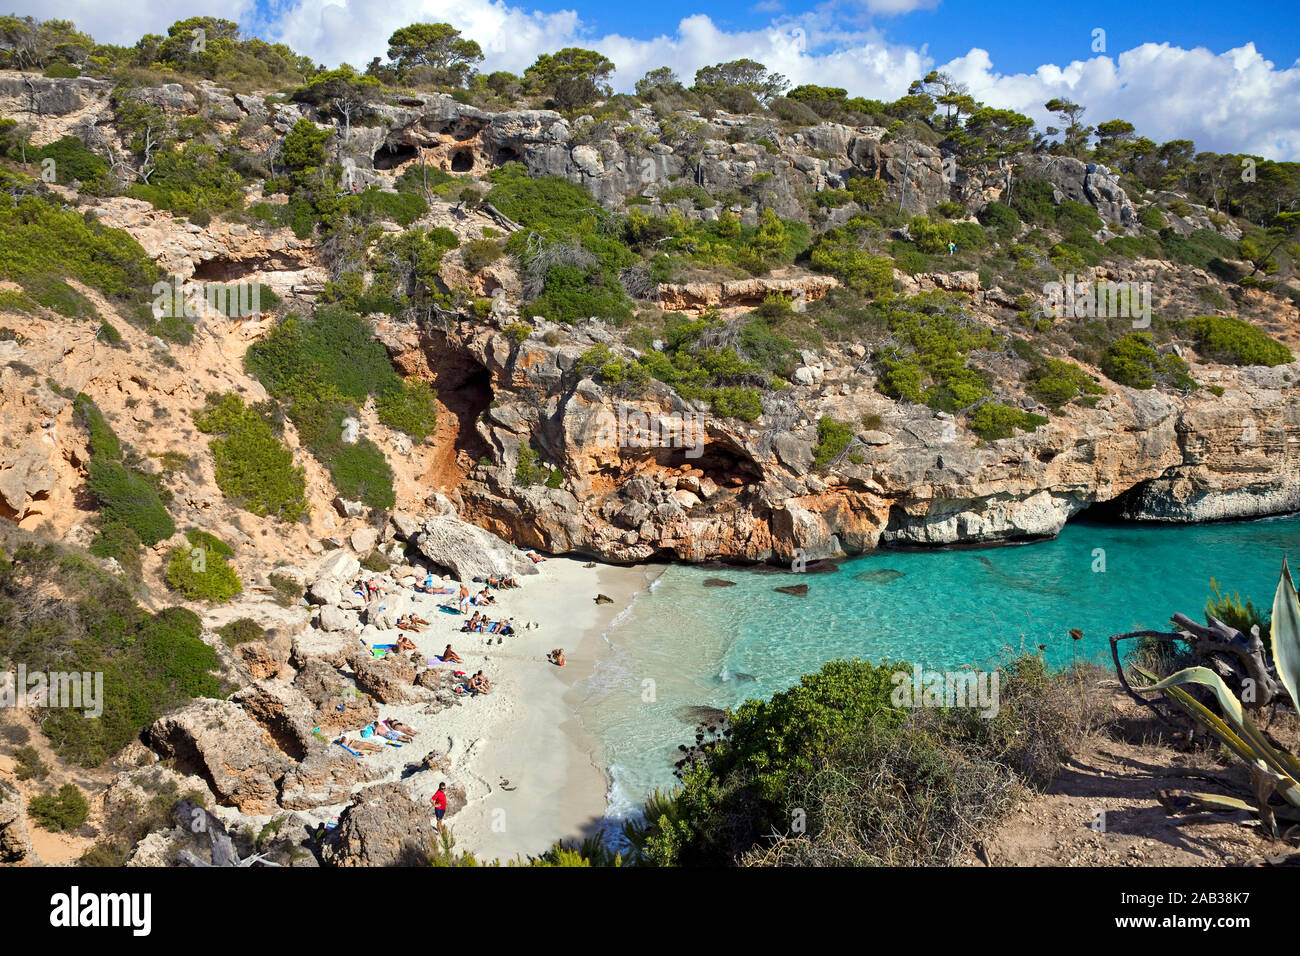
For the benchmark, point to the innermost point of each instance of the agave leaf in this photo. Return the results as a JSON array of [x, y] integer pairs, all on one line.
[[1285, 635], [1236, 730]]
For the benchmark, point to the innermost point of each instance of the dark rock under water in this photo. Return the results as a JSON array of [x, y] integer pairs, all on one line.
[[699, 714], [718, 583], [798, 590], [879, 576]]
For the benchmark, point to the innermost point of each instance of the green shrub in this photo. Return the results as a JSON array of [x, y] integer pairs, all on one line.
[[993, 420], [478, 254], [240, 631], [410, 408], [120, 542], [41, 243], [1133, 361], [127, 498], [528, 470], [1232, 341], [1200, 249], [30, 766], [376, 562], [838, 252], [1056, 383], [362, 473], [201, 572], [926, 360], [832, 438], [314, 369], [1152, 218], [1001, 219], [67, 810], [254, 469], [1032, 201], [931, 238], [151, 663]]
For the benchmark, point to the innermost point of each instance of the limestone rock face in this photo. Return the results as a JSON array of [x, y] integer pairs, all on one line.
[[326, 777], [383, 826], [220, 742], [388, 679], [15, 842]]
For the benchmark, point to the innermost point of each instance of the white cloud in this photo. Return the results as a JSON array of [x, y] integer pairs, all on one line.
[[1235, 101], [1231, 101], [124, 23]]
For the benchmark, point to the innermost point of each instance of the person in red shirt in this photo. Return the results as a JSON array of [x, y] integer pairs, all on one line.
[[439, 801]]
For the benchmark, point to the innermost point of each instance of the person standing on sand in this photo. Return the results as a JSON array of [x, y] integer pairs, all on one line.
[[439, 801], [464, 599]]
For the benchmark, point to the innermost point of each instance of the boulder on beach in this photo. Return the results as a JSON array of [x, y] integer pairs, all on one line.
[[467, 551], [382, 827], [219, 741]]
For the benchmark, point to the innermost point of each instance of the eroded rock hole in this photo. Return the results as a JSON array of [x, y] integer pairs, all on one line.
[[390, 157], [462, 161], [221, 269]]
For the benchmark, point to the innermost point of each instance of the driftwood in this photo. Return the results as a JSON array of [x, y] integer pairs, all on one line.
[[195, 819], [1234, 656], [500, 218]]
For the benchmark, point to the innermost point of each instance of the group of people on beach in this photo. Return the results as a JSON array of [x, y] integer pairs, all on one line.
[[390, 732]]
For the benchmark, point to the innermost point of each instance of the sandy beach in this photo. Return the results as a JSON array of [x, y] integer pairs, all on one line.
[[531, 774]]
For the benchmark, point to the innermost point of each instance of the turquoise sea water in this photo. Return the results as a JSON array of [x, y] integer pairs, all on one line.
[[681, 644]]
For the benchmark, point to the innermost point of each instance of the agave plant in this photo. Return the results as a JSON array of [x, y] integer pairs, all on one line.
[[1272, 770]]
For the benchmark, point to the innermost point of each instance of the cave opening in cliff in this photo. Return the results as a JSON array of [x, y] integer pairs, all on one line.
[[464, 389], [390, 157], [725, 466], [221, 269], [462, 161], [508, 154], [1110, 511]]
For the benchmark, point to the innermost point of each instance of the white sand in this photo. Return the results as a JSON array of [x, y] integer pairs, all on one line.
[[524, 731]]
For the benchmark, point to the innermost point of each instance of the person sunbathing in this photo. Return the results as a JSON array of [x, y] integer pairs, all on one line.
[[485, 598], [478, 684], [509, 582], [451, 657], [366, 746], [400, 727], [404, 643], [556, 657], [417, 620], [388, 733], [534, 557], [406, 624]]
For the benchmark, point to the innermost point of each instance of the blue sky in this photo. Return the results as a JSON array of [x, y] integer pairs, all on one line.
[[1226, 76], [1020, 35]]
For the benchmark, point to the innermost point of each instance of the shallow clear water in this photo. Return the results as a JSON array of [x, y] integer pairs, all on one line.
[[682, 645]]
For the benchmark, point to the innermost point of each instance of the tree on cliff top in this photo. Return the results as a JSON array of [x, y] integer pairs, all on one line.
[[439, 46], [572, 77]]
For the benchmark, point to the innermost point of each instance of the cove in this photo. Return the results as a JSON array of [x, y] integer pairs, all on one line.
[[698, 646]]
